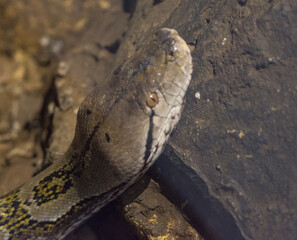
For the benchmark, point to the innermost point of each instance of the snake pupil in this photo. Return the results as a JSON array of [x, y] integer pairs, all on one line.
[[107, 137]]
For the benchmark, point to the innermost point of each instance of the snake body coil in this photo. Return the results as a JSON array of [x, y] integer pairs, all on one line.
[[120, 132]]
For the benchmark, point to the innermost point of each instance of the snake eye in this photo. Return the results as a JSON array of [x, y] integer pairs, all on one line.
[[152, 100]]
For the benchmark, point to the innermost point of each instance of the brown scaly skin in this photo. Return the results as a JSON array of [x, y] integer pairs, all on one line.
[[120, 132]]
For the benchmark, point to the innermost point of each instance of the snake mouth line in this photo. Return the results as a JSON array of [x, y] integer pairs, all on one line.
[[149, 140]]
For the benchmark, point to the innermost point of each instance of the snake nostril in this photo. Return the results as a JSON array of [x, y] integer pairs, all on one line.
[[169, 47]]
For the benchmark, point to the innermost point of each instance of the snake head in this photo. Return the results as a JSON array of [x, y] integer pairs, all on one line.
[[125, 126]]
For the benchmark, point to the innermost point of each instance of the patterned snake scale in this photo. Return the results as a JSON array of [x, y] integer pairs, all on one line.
[[120, 132]]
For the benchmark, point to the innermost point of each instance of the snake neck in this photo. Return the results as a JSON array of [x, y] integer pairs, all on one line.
[[56, 201]]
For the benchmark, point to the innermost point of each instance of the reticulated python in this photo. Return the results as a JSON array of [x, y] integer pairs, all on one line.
[[120, 131]]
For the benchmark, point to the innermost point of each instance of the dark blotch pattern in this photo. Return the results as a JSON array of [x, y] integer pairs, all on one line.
[[55, 184]]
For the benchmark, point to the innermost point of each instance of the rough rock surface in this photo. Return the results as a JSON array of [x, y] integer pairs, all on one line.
[[230, 166]]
